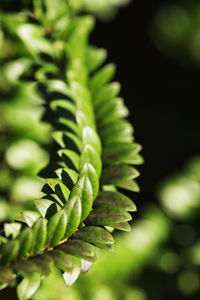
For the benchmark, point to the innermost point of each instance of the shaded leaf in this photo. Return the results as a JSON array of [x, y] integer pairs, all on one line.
[[9, 251], [114, 199], [118, 175], [64, 262], [80, 249], [106, 216], [111, 111], [119, 131], [98, 236], [43, 262], [120, 153]]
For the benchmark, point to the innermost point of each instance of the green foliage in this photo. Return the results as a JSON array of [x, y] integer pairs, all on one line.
[[92, 149]]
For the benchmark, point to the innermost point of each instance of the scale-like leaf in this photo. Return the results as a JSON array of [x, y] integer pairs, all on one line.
[[114, 199]]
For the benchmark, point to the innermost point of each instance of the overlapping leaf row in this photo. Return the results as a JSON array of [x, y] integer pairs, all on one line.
[[69, 197]]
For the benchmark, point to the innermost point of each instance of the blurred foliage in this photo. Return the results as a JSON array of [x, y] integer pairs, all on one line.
[[23, 138], [160, 256], [176, 31]]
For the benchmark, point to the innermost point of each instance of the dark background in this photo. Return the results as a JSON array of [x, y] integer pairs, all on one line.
[[162, 97], [161, 94]]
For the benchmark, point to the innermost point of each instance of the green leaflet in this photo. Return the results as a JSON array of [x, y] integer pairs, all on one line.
[[120, 153], [73, 211], [97, 236], [101, 77], [120, 131], [80, 249], [28, 286], [106, 93], [89, 171], [115, 200], [111, 111], [107, 216], [120, 176], [91, 138], [39, 236], [56, 228], [83, 189], [125, 226], [90, 155]]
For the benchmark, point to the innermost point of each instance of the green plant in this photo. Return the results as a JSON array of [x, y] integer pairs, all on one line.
[[90, 159]]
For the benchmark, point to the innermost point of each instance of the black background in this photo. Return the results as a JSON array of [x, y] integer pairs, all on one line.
[[163, 97]]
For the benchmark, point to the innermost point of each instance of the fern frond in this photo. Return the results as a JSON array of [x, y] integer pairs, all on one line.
[[95, 154]]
